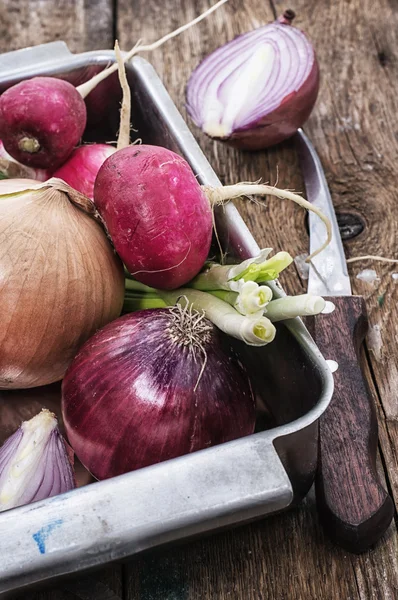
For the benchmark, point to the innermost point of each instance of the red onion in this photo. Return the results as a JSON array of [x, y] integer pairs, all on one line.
[[154, 385], [21, 405], [81, 168], [258, 89], [35, 463]]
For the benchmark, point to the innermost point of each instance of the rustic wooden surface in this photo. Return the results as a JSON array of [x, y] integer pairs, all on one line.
[[355, 131]]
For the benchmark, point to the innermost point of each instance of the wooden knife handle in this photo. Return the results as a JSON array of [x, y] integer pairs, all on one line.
[[354, 507]]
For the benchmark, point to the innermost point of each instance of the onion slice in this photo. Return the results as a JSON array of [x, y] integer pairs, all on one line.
[[258, 89], [35, 463]]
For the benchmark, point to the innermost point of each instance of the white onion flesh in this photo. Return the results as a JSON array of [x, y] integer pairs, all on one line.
[[240, 83]]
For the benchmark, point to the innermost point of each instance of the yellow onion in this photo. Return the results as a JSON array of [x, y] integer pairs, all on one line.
[[60, 279]]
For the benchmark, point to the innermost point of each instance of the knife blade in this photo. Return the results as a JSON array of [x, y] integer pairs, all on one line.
[[353, 506]]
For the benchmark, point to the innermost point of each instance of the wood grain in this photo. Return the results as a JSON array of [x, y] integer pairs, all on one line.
[[354, 507], [353, 127], [83, 24]]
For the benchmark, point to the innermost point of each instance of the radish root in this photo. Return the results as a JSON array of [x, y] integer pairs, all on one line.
[[220, 195], [123, 140], [372, 257]]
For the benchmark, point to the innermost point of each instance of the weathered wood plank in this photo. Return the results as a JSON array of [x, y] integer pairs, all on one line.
[[287, 556], [106, 584], [283, 557], [83, 24], [353, 128]]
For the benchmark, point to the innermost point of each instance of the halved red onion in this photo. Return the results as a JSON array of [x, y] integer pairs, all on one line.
[[35, 463], [151, 386], [258, 89]]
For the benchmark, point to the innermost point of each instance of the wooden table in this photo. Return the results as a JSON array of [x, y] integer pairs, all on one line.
[[355, 130]]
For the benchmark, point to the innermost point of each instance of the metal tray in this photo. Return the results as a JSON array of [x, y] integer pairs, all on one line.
[[217, 487]]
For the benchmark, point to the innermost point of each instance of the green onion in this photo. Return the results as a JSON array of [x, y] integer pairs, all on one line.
[[290, 307], [250, 300], [136, 286], [257, 269], [216, 277], [254, 331], [141, 302], [267, 270]]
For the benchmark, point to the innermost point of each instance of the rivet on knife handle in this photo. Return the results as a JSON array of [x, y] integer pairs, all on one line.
[[353, 505]]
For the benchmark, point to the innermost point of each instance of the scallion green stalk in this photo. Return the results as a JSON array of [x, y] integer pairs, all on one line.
[[136, 286], [254, 331], [261, 271], [257, 269], [229, 297], [131, 294], [142, 302], [290, 307]]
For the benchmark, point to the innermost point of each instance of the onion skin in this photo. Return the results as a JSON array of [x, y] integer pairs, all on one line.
[[60, 280], [45, 109], [269, 126], [156, 213], [128, 398], [81, 168]]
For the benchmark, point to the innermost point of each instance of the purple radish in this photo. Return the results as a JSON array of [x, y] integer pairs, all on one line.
[[41, 121], [81, 168], [156, 213]]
